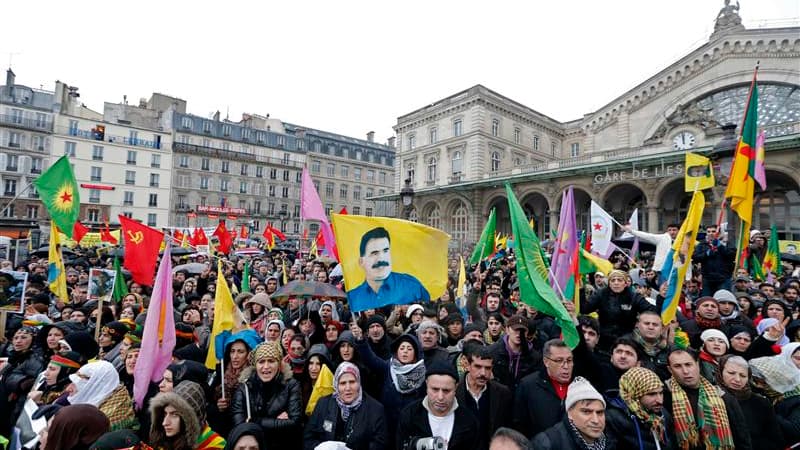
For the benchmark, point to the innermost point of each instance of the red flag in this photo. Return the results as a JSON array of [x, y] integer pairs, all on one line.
[[224, 237], [142, 244], [305, 233], [177, 235], [343, 210], [199, 237], [105, 235], [277, 233], [79, 231], [243, 233], [270, 238]]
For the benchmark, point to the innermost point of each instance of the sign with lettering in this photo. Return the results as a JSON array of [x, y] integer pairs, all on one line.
[[639, 173], [221, 210]]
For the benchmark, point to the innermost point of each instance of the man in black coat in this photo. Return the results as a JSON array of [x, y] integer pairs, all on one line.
[[716, 262], [487, 399], [636, 416], [539, 398], [438, 417]]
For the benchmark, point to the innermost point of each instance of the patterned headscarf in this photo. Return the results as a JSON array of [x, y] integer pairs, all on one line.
[[266, 350], [347, 409], [633, 385]]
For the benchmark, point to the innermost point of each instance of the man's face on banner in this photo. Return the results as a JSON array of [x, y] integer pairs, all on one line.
[[377, 259]]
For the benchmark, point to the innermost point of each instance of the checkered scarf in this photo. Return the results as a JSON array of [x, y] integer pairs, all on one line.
[[633, 385], [712, 419]]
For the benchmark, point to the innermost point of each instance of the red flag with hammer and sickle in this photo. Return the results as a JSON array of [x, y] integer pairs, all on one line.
[[142, 244]]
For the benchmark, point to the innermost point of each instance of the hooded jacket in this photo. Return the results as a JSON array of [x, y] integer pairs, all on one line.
[[190, 424]]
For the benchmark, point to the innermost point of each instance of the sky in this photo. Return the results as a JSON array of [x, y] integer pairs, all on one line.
[[350, 67]]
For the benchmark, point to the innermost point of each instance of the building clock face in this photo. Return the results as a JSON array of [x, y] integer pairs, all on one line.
[[683, 141]]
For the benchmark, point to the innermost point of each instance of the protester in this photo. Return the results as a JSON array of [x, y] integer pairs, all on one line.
[[636, 417], [75, 427]]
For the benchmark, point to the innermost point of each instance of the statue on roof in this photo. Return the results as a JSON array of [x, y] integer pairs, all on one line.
[[728, 18]]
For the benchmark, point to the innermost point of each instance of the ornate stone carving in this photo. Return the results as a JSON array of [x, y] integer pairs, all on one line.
[[728, 19], [687, 114]]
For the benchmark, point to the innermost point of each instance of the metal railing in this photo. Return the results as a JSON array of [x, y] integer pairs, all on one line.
[[105, 137], [230, 154], [30, 124]]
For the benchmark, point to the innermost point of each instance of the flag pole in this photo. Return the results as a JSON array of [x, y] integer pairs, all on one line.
[[15, 198]]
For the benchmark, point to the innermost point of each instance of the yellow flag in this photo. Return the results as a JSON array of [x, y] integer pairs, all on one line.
[[699, 173], [462, 279], [227, 317], [322, 387], [56, 276], [601, 264]]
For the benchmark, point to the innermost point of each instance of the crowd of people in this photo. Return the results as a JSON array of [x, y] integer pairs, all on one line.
[[482, 371]]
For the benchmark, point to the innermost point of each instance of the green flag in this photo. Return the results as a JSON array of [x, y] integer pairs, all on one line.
[[246, 276], [534, 287], [120, 288], [59, 193], [485, 245]]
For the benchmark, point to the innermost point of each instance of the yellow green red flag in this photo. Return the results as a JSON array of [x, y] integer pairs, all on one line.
[[59, 193]]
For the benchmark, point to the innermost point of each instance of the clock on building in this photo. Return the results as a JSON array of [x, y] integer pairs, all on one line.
[[683, 141]]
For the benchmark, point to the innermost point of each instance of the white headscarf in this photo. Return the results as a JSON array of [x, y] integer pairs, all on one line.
[[334, 312], [95, 382], [787, 351]]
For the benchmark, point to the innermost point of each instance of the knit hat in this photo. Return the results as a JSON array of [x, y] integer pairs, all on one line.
[[412, 308], [377, 318], [438, 367], [425, 324], [266, 350], [581, 389], [702, 300], [195, 396], [277, 311], [114, 440], [474, 326], [725, 296], [714, 333]]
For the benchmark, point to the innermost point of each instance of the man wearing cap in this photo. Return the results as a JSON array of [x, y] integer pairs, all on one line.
[[513, 357], [430, 335], [539, 397], [742, 283], [438, 419], [487, 399], [730, 311], [636, 416], [377, 338], [584, 423]]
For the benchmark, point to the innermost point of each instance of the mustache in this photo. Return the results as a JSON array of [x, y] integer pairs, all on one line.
[[380, 264]]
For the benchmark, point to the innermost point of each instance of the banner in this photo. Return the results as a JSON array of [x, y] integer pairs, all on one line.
[[12, 291], [89, 240], [101, 284], [390, 261]]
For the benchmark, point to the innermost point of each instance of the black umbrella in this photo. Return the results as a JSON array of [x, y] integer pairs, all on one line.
[[44, 251], [790, 257]]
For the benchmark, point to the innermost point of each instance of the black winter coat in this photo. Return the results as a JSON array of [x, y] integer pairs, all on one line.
[[499, 413], [716, 264], [536, 405], [561, 437], [510, 372], [630, 433], [414, 425], [788, 413], [267, 402], [765, 429], [617, 313], [365, 429]]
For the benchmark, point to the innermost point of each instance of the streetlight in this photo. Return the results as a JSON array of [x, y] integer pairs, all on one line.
[[407, 198]]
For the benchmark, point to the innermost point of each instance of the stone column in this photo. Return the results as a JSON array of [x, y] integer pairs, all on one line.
[[652, 219], [553, 223]]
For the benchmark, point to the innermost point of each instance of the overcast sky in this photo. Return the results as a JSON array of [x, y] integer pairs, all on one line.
[[353, 66]]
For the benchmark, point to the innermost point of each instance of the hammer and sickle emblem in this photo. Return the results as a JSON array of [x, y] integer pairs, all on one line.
[[136, 238]]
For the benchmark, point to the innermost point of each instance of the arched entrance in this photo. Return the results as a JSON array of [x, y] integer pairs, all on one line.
[[779, 205], [621, 200], [500, 204], [674, 203], [536, 207]]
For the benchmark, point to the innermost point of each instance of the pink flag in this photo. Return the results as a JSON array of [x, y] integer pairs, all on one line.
[[158, 339], [311, 208], [566, 241], [760, 175]]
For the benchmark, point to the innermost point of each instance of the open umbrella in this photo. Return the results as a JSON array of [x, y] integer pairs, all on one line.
[[44, 251], [790, 257], [180, 251], [298, 288], [252, 251], [190, 267]]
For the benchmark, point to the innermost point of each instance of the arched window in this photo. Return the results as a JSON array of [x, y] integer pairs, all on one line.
[[460, 223], [435, 217], [457, 163], [432, 168], [495, 161]]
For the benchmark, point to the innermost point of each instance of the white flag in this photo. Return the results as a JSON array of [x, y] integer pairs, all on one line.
[[633, 222], [602, 228]]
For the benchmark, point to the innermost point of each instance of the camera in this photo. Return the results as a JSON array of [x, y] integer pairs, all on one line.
[[431, 443]]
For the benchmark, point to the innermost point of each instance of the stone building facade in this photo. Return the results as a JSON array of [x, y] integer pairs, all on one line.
[[629, 154]]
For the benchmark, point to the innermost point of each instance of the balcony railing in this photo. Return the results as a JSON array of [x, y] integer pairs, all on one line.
[[105, 137], [230, 154], [29, 124]]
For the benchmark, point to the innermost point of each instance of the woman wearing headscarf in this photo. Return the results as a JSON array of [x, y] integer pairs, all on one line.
[[17, 376], [255, 311], [348, 416], [733, 376], [715, 345], [97, 384], [247, 436], [75, 427], [195, 396], [110, 341], [318, 357], [269, 397], [273, 330], [55, 378], [779, 380], [236, 360], [181, 371], [174, 425], [403, 375]]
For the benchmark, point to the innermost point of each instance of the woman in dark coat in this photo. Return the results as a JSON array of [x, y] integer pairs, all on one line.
[[733, 376], [17, 376], [270, 398], [348, 415]]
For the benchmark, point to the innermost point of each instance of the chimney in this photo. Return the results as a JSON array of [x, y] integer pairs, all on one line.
[[10, 77], [216, 116], [371, 136], [390, 141]]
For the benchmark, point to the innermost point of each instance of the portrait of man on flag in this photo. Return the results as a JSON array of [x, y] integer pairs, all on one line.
[[381, 260]]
